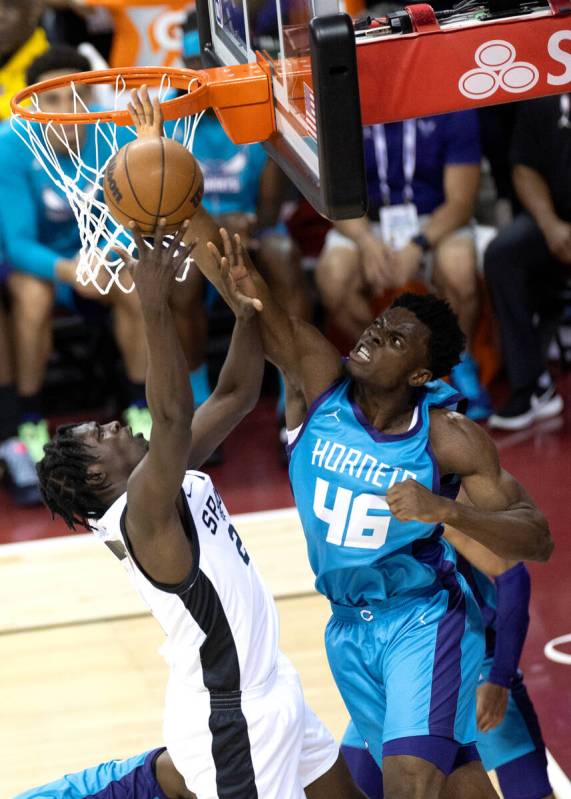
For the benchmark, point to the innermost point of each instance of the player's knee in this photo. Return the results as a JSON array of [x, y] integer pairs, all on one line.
[[407, 777], [456, 253], [457, 285]]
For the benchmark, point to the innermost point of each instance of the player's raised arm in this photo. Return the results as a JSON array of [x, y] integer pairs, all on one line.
[[155, 483], [502, 516], [303, 354], [240, 380]]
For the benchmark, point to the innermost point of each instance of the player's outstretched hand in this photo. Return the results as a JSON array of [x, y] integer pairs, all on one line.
[[410, 501], [147, 115], [157, 265], [233, 267], [491, 705]]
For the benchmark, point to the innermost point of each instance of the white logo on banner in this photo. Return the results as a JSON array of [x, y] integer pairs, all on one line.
[[497, 68]]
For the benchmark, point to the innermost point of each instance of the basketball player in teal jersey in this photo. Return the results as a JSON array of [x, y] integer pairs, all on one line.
[[377, 455], [509, 735]]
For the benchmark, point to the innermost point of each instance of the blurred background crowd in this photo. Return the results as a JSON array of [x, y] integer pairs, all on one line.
[[474, 206]]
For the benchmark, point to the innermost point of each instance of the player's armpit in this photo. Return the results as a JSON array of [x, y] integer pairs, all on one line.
[[166, 558], [153, 519], [317, 362], [502, 517]]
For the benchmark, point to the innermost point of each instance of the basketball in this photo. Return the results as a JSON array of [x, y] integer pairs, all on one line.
[[150, 179]]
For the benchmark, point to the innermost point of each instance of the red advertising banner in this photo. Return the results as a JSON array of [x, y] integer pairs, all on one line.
[[450, 69]]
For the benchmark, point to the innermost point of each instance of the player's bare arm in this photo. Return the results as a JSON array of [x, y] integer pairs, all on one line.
[[480, 556], [309, 362], [502, 516], [152, 520], [240, 380]]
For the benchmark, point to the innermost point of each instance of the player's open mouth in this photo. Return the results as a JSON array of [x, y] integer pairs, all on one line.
[[362, 353]]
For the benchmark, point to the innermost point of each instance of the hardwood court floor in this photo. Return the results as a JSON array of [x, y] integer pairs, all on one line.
[[81, 680]]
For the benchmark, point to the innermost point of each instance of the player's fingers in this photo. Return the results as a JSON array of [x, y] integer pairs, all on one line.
[[159, 234], [175, 242], [225, 270], [137, 237], [483, 719], [239, 248], [122, 253], [137, 104], [181, 257], [134, 114], [258, 305], [146, 104], [227, 244], [183, 254], [157, 111], [214, 251]]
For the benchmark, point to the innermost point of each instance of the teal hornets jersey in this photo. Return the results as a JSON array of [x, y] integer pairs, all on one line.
[[341, 468]]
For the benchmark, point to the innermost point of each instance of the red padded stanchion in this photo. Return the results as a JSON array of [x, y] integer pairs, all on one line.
[[436, 70]]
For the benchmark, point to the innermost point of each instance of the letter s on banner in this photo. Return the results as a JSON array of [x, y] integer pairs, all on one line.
[[561, 56]]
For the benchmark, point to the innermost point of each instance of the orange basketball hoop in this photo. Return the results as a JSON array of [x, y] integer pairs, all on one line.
[[241, 96], [74, 147]]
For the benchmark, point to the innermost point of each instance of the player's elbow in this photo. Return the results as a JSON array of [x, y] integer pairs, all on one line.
[[544, 543]]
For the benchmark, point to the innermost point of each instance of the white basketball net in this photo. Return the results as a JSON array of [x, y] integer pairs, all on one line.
[[80, 177]]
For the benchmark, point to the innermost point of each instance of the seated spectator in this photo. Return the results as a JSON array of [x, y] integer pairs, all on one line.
[[16, 466], [21, 41], [422, 178], [526, 263], [41, 241]]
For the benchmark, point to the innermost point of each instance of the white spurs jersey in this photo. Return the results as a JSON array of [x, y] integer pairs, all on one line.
[[221, 622]]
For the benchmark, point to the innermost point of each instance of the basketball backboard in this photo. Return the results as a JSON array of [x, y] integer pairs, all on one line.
[[310, 50]]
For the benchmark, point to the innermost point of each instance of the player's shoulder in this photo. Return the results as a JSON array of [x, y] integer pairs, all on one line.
[[459, 444]]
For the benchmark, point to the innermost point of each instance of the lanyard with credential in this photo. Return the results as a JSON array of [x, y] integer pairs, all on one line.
[[408, 159]]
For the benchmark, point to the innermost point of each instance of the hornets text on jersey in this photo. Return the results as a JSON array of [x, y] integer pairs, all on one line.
[[341, 468]]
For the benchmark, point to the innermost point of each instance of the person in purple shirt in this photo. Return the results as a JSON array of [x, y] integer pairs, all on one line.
[[422, 178]]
